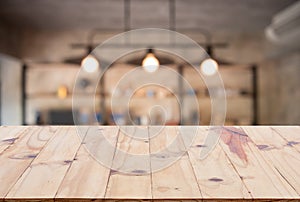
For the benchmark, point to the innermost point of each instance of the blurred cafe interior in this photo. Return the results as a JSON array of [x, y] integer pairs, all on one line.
[[52, 74]]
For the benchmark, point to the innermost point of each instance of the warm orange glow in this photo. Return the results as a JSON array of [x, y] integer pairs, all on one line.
[[62, 92]]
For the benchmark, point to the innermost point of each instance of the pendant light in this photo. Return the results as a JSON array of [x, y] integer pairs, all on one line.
[[209, 67], [90, 64], [150, 62]]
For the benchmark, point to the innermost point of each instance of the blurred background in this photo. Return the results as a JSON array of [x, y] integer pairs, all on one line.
[[254, 45]]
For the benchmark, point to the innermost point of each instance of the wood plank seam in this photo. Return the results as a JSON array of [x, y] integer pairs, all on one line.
[[29, 165], [268, 156], [258, 152], [271, 165], [20, 134], [151, 175], [87, 175], [22, 172], [276, 131], [173, 178], [221, 180], [265, 161], [34, 164], [107, 182], [131, 165], [285, 179], [244, 167], [280, 168], [235, 169], [70, 164], [187, 153]]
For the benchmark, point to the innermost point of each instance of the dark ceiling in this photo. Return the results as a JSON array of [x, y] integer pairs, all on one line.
[[214, 15]]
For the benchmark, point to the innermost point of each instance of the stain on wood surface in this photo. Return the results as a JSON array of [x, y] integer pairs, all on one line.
[[236, 140], [10, 140], [62, 171], [215, 179], [291, 143]]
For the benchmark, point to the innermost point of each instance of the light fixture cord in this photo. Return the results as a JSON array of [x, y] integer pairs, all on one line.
[[172, 15], [127, 15], [172, 20]]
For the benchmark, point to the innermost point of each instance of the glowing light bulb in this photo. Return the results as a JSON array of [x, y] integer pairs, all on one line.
[[150, 63], [209, 67], [90, 64]]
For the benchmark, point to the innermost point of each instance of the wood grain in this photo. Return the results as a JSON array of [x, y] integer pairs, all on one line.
[[9, 135], [87, 177], [46, 172], [129, 177], [215, 174], [259, 177], [278, 153], [290, 133], [16, 159], [175, 181], [88, 163]]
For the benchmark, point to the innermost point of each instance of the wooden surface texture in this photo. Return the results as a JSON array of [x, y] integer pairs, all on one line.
[[77, 163]]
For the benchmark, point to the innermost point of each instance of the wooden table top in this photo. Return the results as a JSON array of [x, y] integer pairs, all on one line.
[[53, 162]]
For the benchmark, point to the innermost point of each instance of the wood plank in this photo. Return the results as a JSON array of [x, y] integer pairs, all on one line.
[[215, 174], [10, 131], [16, 159], [52, 163], [261, 179], [46, 172], [87, 177], [9, 134], [290, 133], [129, 177], [277, 152], [175, 181]]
